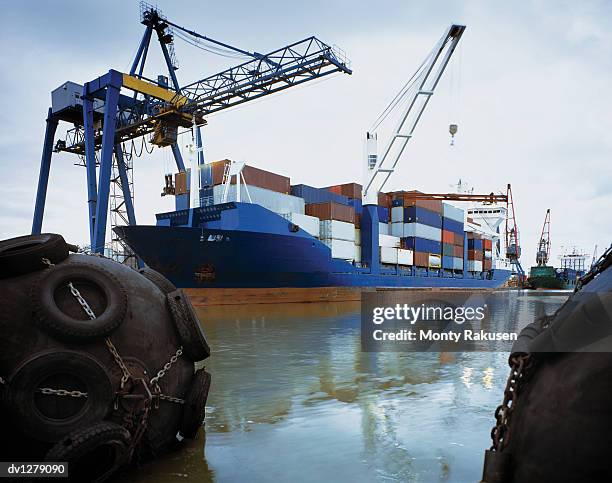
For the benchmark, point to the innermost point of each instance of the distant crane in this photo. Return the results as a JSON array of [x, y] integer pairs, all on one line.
[[107, 122], [543, 253], [513, 246], [594, 259]]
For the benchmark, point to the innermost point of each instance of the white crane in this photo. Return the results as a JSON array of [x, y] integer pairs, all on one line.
[[416, 92]]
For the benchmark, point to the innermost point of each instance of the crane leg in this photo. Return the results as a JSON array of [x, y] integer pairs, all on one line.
[[43, 177], [106, 164], [181, 201], [90, 162]]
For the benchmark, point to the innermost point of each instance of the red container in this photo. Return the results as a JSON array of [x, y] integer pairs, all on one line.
[[350, 190], [331, 211], [487, 264], [448, 237], [357, 220], [458, 251], [408, 199], [475, 255], [487, 244], [458, 240], [471, 235], [384, 200], [253, 176], [421, 259]]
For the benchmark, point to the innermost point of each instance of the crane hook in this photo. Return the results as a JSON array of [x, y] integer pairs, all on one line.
[[452, 129]]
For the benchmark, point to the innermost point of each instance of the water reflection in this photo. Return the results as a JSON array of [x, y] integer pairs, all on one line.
[[294, 399]]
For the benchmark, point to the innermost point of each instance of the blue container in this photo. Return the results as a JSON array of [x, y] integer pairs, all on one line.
[[447, 262], [422, 244], [356, 203], [474, 244], [416, 214], [383, 214], [452, 225], [310, 194]]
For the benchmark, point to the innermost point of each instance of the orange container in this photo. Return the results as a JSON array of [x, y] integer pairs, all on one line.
[[350, 190], [448, 237], [487, 264], [253, 176], [421, 259], [458, 251], [458, 240], [331, 211], [475, 255], [487, 244]]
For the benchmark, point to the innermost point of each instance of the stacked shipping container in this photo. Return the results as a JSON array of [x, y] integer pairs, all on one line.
[[452, 237]]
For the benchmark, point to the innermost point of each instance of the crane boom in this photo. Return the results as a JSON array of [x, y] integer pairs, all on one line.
[[543, 253], [380, 169]]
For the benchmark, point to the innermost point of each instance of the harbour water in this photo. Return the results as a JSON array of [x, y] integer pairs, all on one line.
[[294, 399]]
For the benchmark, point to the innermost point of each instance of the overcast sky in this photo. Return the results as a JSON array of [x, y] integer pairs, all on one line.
[[529, 88]]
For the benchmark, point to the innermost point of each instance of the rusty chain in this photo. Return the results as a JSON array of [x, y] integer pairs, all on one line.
[[61, 392], [500, 434]]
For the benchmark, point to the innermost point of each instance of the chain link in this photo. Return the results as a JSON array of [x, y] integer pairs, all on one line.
[[173, 399], [61, 392], [500, 434], [2, 381], [167, 366], [82, 301], [47, 262]]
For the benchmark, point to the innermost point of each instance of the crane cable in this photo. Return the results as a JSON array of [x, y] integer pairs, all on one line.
[[213, 50]]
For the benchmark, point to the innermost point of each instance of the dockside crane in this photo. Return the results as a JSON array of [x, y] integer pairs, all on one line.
[[543, 253], [513, 246], [108, 122], [415, 94]]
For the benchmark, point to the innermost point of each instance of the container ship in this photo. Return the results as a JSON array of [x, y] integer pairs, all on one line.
[[253, 229]]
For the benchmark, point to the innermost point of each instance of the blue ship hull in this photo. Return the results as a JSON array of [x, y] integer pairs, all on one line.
[[242, 245]]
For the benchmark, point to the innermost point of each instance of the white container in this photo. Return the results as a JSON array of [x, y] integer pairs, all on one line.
[[388, 255], [309, 224], [383, 229], [339, 230], [272, 200], [405, 257], [397, 214], [452, 212], [474, 266], [340, 248], [358, 236], [357, 256], [457, 263], [488, 254], [435, 261], [388, 241], [416, 229]]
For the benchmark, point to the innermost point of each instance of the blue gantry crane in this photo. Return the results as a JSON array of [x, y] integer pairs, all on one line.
[[106, 119]]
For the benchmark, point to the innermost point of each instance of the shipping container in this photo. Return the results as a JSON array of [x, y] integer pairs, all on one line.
[[339, 230], [340, 248], [452, 225], [405, 257], [475, 255], [331, 211], [448, 237], [253, 176], [404, 198], [447, 262], [383, 229], [487, 264], [416, 230], [388, 255], [309, 224], [415, 214], [421, 245], [356, 204], [384, 200], [457, 263], [474, 266], [317, 195], [448, 250], [453, 213], [350, 190], [357, 256], [487, 244], [458, 239], [457, 251], [389, 241], [383, 214], [435, 261], [272, 200], [488, 254], [474, 244], [357, 221]]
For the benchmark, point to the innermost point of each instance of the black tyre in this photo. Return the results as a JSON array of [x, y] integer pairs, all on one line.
[[49, 417], [195, 404], [162, 283], [93, 453], [59, 312], [25, 254], [191, 335]]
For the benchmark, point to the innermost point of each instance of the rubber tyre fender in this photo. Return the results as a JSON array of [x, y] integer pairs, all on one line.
[[191, 335], [52, 319], [78, 449], [195, 404], [24, 254], [162, 283], [27, 380]]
